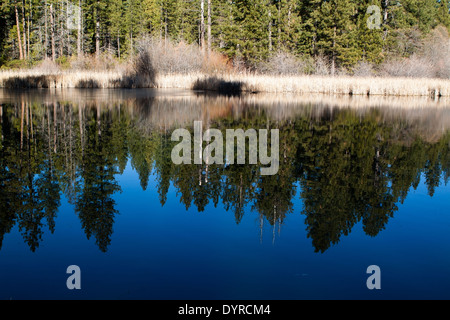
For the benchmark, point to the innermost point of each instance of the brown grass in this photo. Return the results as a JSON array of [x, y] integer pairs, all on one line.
[[346, 85]]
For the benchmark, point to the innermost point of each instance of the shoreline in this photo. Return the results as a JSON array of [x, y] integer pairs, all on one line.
[[232, 83]]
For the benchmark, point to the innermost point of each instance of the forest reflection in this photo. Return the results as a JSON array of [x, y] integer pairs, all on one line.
[[346, 164]]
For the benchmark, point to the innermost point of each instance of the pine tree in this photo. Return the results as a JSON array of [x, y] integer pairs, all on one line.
[[115, 20], [335, 32], [163, 18], [250, 30], [224, 27], [134, 23], [94, 16], [443, 14], [186, 21], [286, 19], [369, 41], [309, 13]]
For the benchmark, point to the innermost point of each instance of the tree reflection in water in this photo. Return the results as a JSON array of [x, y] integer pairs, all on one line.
[[347, 164]]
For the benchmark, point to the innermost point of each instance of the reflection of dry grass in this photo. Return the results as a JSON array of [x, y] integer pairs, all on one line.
[[355, 102], [427, 120], [416, 115], [167, 108], [409, 116]]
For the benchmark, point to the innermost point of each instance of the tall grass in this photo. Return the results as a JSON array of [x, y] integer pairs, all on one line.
[[347, 85]]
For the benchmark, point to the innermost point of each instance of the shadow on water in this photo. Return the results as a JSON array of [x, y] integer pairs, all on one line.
[[347, 165]]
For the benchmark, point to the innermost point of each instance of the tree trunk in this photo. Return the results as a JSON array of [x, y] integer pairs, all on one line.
[[270, 30], [202, 24], [131, 42], [79, 29], [1, 119], [118, 45], [279, 26], [31, 122], [27, 121], [45, 31], [161, 24], [24, 31], [385, 17], [274, 223], [97, 39], [333, 57], [54, 128], [165, 29], [209, 27], [289, 18], [97, 31], [52, 28], [261, 227], [69, 51], [49, 140], [99, 121], [81, 125], [385, 13], [18, 33], [28, 28], [21, 125], [61, 30]]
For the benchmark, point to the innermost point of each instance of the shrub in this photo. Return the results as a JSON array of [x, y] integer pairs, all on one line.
[[414, 66], [215, 62], [283, 63], [15, 64], [437, 50], [363, 69], [63, 62], [47, 66], [170, 57], [104, 62], [322, 66], [404, 42], [426, 58]]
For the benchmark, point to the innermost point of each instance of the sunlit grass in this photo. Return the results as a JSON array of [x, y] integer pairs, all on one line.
[[322, 84], [346, 85]]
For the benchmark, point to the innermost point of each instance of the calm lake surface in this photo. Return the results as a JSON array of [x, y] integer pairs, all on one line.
[[86, 179]]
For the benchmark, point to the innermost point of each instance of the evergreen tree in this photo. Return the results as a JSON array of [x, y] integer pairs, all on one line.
[[443, 13], [335, 35], [369, 41], [117, 27], [250, 39]]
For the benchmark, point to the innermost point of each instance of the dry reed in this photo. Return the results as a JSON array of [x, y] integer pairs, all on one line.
[[345, 85]]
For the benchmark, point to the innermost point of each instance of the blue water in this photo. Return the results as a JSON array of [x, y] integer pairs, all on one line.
[[157, 249], [170, 253]]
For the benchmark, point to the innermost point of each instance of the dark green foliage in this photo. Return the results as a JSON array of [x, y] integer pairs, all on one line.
[[248, 30]]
